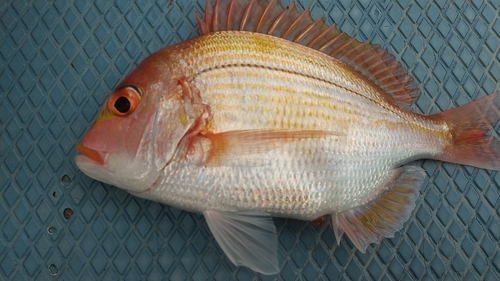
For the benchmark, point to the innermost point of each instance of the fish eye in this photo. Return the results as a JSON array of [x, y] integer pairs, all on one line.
[[122, 104], [124, 101]]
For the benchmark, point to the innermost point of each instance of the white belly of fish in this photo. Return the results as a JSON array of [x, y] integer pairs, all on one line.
[[305, 178]]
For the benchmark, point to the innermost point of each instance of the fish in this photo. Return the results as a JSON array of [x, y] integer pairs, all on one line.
[[269, 113]]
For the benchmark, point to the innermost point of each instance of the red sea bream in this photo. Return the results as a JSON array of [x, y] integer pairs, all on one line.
[[269, 113]]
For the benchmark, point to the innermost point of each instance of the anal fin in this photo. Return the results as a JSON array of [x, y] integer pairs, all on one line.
[[383, 216], [247, 238]]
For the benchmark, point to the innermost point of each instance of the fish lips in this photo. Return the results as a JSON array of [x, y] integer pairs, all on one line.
[[91, 162], [91, 154]]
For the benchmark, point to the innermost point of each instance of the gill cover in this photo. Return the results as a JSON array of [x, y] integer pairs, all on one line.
[[178, 116]]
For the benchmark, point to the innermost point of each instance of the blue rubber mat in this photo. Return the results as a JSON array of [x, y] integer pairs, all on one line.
[[60, 59]]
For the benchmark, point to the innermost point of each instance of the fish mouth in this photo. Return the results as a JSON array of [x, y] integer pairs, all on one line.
[[93, 155]]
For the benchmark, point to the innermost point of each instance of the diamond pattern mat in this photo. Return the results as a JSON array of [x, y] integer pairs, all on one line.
[[60, 59]]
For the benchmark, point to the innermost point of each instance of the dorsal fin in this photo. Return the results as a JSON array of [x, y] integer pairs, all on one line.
[[261, 16]]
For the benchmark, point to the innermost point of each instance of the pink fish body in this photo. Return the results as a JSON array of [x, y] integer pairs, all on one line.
[[270, 113]]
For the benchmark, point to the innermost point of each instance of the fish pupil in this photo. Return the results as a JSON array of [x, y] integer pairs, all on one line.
[[122, 104]]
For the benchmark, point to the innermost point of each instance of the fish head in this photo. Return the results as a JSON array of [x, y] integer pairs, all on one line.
[[139, 127]]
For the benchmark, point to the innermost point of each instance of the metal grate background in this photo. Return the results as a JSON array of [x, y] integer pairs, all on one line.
[[59, 60]]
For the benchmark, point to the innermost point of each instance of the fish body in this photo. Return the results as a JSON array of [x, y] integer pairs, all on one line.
[[292, 89], [299, 121]]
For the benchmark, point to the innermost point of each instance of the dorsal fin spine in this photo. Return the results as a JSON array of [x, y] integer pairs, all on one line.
[[305, 32], [363, 61], [202, 22], [386, 79], [208, 15], [280, 17], [263, 16], [365, 47], [215, 16], [330, 42], [295, 22], [246, 15], [229, 14], [341, 48], [368, 61], [348, 52], [381, 73], [375, 65], [397, 82], [321, 35]]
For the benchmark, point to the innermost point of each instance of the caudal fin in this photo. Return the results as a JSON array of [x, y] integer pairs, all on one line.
[[474, 141]]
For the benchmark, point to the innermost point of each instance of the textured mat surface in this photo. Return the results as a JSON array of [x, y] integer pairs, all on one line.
[[60, 59]]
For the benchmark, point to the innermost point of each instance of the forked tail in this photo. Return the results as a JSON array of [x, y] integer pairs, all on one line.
[[474, 140]]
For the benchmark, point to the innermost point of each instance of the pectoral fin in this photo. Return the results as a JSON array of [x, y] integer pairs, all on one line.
[[383, 216], [233, 147], [247, 238]]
